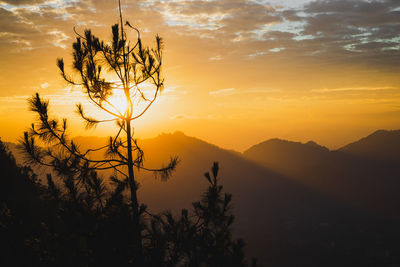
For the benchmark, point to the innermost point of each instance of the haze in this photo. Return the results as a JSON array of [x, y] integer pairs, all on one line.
[[237, 72]]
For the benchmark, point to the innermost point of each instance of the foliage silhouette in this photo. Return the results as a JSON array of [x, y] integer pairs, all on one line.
[[203, 238], [66, 225], [94, 61], [19, 203]]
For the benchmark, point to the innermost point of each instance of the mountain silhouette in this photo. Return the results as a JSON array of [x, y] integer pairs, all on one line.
[[287, 156], [380, 145], [296, 204], [361, 174]]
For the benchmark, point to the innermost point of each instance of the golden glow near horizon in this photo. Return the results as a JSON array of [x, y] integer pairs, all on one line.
[[237, 72]]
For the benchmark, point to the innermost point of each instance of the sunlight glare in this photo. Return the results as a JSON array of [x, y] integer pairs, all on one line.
[[118, 101]]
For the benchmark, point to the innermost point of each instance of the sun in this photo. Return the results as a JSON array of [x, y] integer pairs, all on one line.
[[118, 101]]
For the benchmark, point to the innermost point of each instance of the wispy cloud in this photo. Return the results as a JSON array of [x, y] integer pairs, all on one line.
[[193, 117], [257, 54], [276, 49], [223, 91], [59, 38], [68, 97], [233, 91], [45, 85], [348, 89], [216, 58], [19, 98]]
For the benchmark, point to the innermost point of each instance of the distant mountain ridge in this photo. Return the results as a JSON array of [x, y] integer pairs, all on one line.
[[273, 152], [380, 145]]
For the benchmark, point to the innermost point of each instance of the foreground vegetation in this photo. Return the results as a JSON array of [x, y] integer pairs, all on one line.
[[62, 223]]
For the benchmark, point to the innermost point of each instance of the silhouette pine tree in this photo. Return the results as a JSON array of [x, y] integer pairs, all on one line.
[[132, 65], [203, 238]]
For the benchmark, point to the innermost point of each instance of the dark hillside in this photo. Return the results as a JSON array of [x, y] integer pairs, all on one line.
[[295, 204]]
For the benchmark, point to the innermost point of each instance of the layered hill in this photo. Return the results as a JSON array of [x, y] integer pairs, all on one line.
[[380, 145], [363, 173], [287, 156]]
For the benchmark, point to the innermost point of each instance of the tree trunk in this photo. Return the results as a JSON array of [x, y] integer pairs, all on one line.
[[134, 200]]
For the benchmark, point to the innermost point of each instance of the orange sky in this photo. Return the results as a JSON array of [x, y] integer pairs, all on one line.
[[237, 72]]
